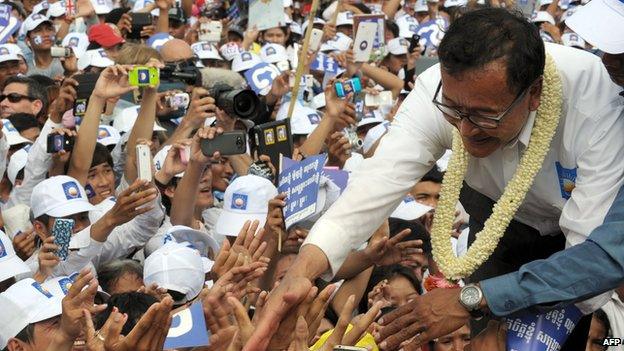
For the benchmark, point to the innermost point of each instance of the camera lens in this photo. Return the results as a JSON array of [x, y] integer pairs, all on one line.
[[245, 103], [239, 141]]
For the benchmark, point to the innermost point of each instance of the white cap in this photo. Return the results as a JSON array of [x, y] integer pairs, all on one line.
[[59, 286], [10, 264], [14, 49], [572, 39], [373, 135], [318, 101], [159, 159], [344, 19], [304, 120], [12, 135], [409, 209], [371, 117], [40, 7], [59, 196], [408, 26], [296, 28], [598, 23], [543, 16], [230, 50], [273, 53], [455, 3], [246, 198], [205, 50], [421, 6], [31, 22], [141, 4], [244, 61], [175, 267], [315, 21], [287, 3], [397, 46], [6, 54], [14, 25], [568, 13], [341, 42], [25, 302], [17, 163], [198, 240], [545, 2], [125, 120], [77, 41], [102, 7], [108, 135], [95, 58], [56, 9]]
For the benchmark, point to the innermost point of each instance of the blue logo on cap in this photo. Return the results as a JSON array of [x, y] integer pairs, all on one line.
[[3, 251], [9, 126], [314, 118], [65, 284], [71, 190], [103, 133], [42, 290], [408, 199], [73, 42], [167, 238], [239, 202], [245, 56], [270, 51], [4, 51], [206, 47]]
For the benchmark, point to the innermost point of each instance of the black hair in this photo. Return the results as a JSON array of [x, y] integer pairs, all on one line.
[[602, 317], [101, 155], [35, 90], [45, 81], [26, 335], [434, 175], [393, 27], [115, 15], [134, 304], [483, 36], [419, 232], [388, 272], [110, 272], [23, 121]]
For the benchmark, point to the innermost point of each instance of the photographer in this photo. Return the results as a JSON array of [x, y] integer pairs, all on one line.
[[40, 37]]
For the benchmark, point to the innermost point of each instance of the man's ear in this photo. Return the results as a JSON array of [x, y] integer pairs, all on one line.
[[16, 345], [40, 229], [37, 105], [535, 94]]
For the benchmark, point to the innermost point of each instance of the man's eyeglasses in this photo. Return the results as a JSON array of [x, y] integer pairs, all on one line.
[[478, 119], [15, 97]]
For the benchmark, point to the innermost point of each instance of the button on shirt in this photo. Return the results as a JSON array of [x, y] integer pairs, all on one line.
[[585, 156]]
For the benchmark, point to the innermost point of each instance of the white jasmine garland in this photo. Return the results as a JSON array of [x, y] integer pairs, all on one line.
[[546, 122]]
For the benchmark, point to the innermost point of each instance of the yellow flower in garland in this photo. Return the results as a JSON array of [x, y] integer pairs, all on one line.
[[486, 241]]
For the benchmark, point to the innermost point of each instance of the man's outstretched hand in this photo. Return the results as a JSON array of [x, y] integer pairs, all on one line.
[[425, 318]]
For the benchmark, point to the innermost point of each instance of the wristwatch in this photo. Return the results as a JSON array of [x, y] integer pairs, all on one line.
[[470, 297]]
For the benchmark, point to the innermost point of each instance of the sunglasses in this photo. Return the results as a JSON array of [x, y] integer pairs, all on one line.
[[15, 97]]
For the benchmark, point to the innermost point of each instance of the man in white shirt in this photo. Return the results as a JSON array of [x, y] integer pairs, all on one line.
[[492, 63]]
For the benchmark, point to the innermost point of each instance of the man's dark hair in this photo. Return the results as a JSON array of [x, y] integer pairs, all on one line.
[[393, 27], [418, 232], [101, 155], [434, 175], [23, 121], [483, 36], [134, 304], [110, 272], [602, 317], [35, 90], [26, 335]]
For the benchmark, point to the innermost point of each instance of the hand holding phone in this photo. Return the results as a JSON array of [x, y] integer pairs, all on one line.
[[62, 232], [142, 76], [58, 142], [144, 162], [227, 144]]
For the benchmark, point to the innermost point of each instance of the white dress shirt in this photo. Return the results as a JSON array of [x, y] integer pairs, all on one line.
[[589, 137]]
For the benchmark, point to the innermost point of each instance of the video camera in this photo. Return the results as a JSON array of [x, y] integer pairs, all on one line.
[[240, 103], [185, 72]]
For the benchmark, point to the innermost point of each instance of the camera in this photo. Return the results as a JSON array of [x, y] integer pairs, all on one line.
[[177, 101], [59, 51], [240, 103], [354, 140], [185, 72], [58, 142]]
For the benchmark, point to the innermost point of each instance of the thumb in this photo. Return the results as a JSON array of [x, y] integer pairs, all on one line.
[[112, 328]]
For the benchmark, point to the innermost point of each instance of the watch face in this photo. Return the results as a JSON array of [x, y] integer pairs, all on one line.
[[470, 296]]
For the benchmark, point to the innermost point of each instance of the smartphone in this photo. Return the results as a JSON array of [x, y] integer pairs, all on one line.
[[363, 43], [384, 98], [178, 101], [210, 31], [347, 87], [228, 143], [62, 232], [86, 85], [144, 162], [185, 155], [315, 39], [139, 20], [413, 43], [142, 76], [59, 51], [274, 139], [58, 142]]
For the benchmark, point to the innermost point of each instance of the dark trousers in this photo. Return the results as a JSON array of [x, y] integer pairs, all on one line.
[[520, 244]]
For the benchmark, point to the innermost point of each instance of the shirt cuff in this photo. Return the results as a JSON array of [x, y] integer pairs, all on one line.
[[332, 241], [503, 294]]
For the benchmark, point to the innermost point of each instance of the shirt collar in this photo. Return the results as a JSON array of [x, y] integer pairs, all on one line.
[[525, 133]]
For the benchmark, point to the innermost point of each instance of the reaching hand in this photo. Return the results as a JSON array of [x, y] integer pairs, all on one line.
[[113, 82], [196, 152], [338, 336], [388, 251], [173, 163], [65, 100], [249, 241], [79, 298], [340, 111], [132, 202], [155, 291], [201, 107]]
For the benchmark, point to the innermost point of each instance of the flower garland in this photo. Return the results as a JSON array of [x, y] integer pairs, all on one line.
[[546, 122]]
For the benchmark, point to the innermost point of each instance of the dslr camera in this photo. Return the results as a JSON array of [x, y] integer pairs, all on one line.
[[240, 103]]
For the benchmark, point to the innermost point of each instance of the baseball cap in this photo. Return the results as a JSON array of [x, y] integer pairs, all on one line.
[[59, 196], [17, 163], [108, 135], [455, 3], [102, 7], [206, 51], [59, 286], [40, 7], [141, 4], [230, 50], [296, 28], [56, 9], [157, 40], [410, 209], [598, 22], [573, 40], [408, 26], [95, 58], [104, 35], [176, 267], [125, 120], [304, 121], [315, 21], [273, 53], [10, 264], [569, 12], [159, 159], [421, 6], [244, 61], [246, 198], [543, 16], [371, 117], [397, 46], [198, 240], [12, 135], [77, 41], [373, 135], [341, 42], [33, 21], [344, 18], [6, 54], [25, 302]]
